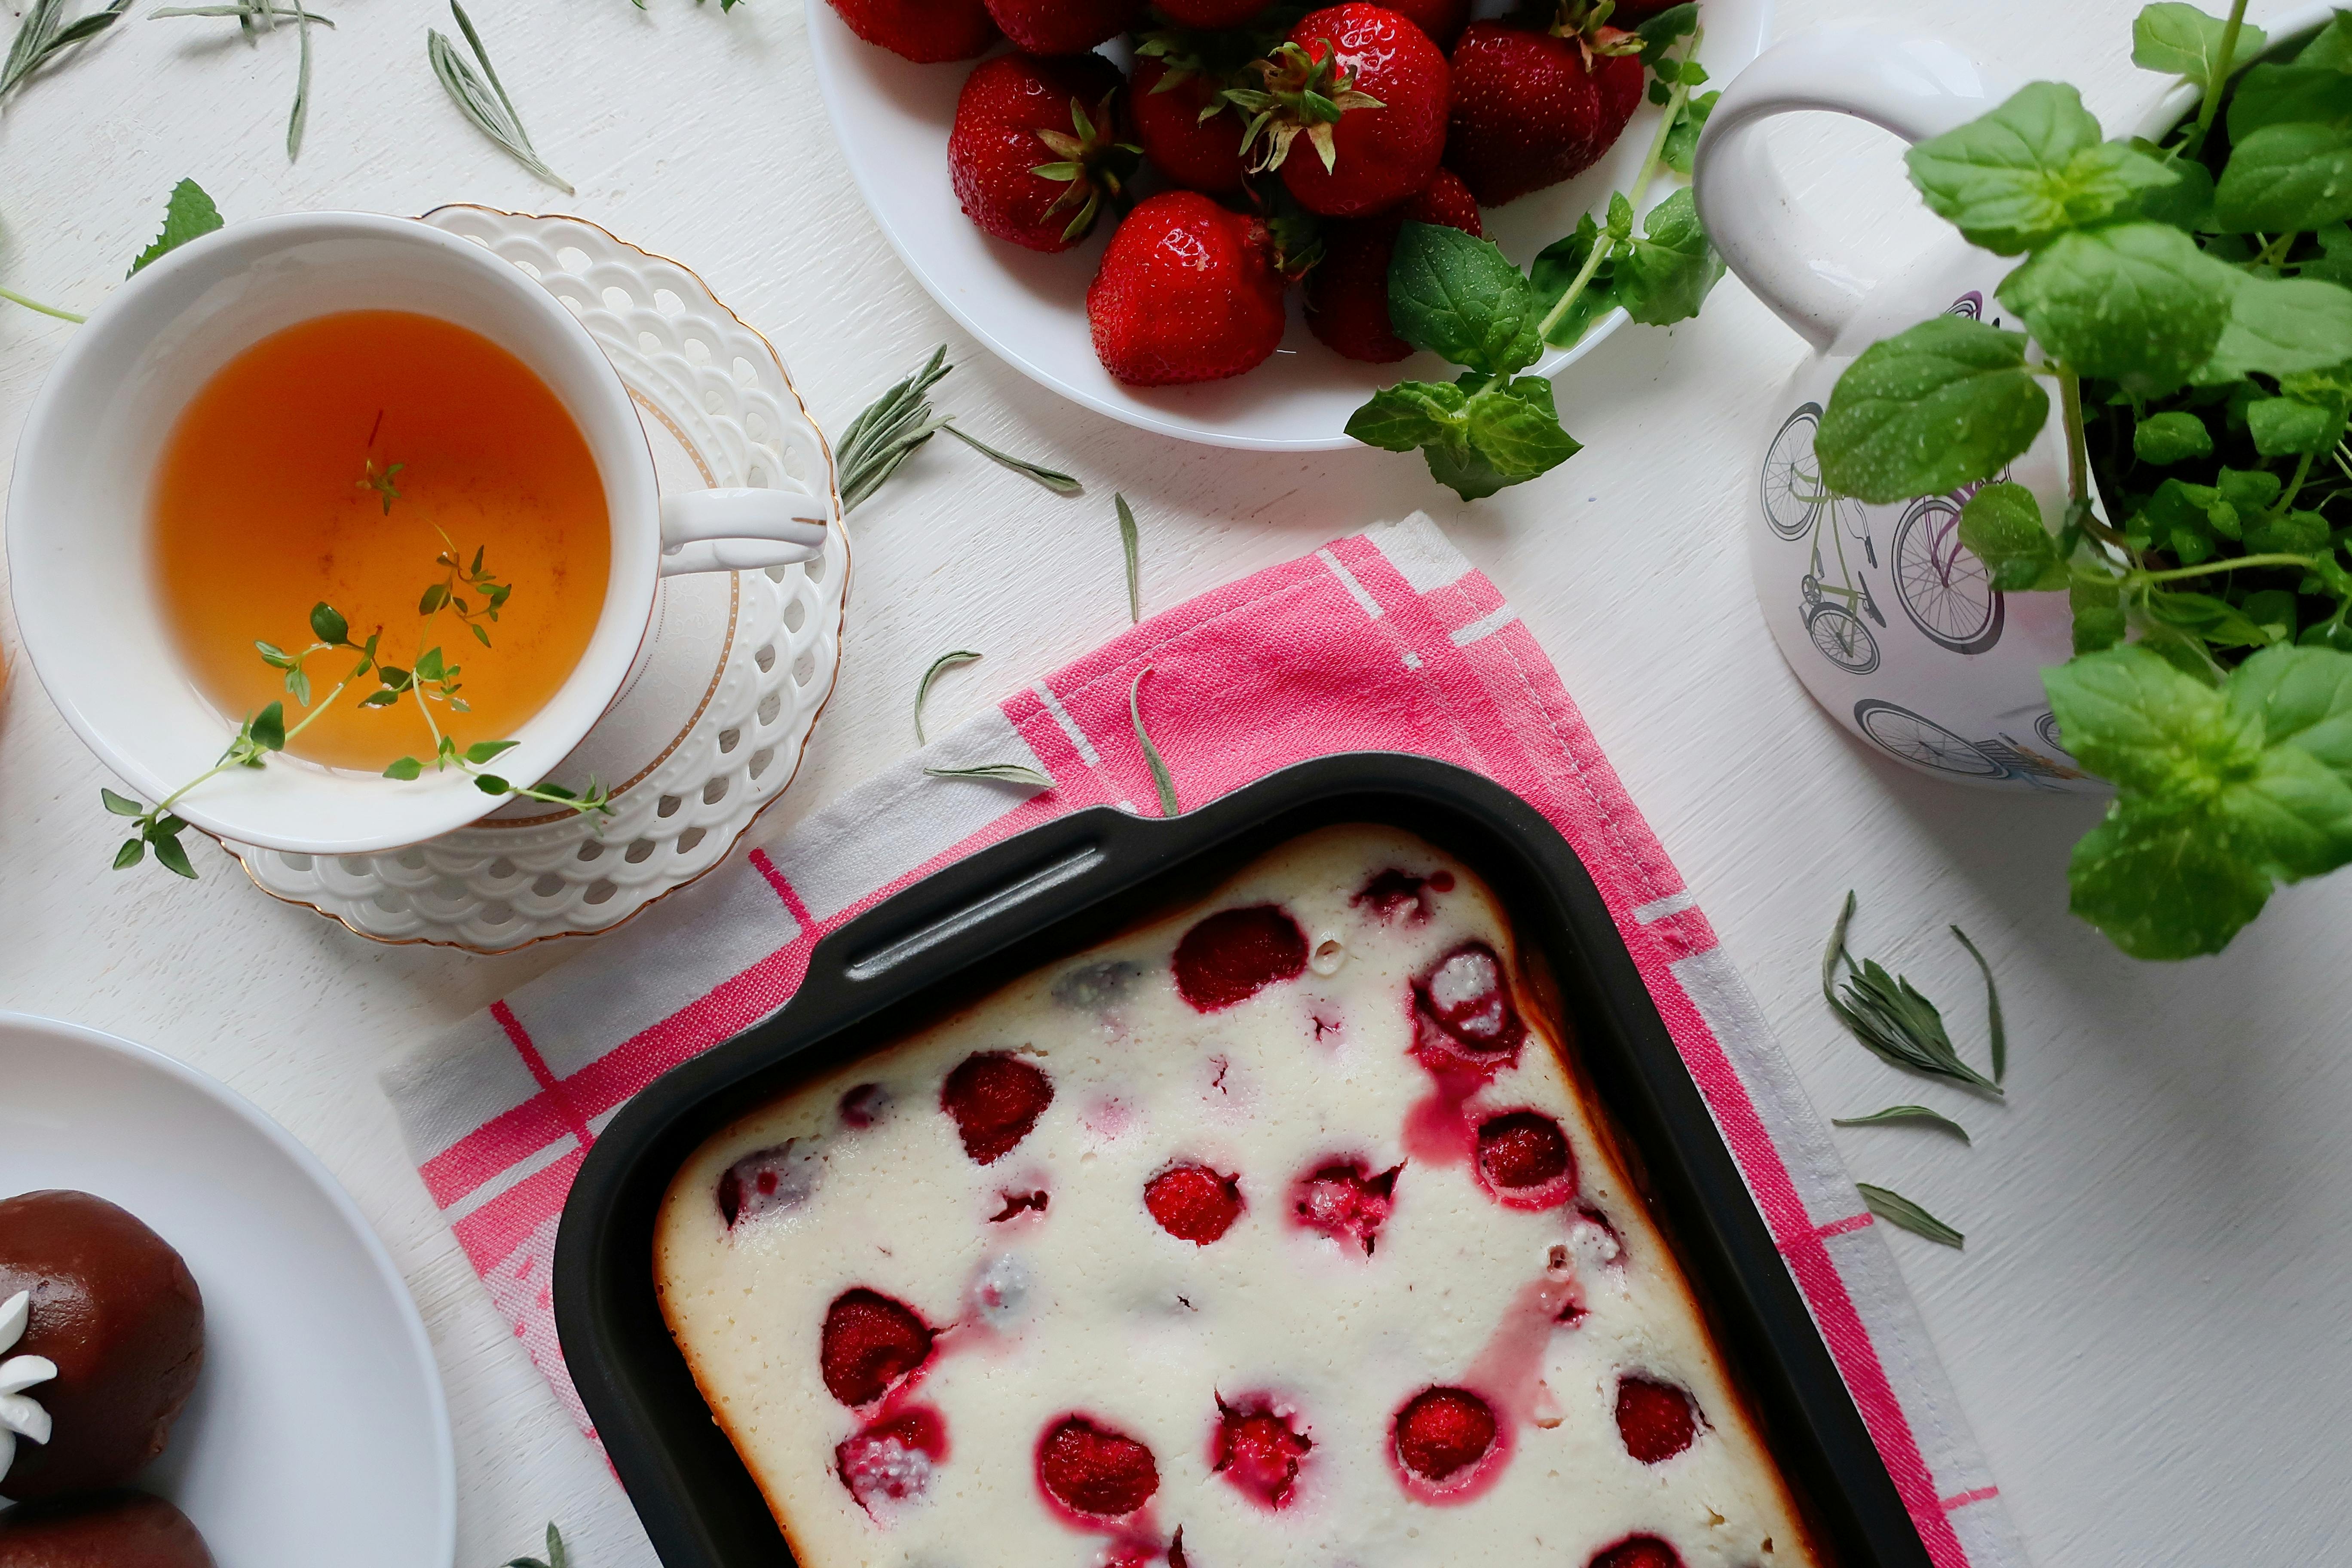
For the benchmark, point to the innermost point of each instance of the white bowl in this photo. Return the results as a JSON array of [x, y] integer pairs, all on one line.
[[892, 117]]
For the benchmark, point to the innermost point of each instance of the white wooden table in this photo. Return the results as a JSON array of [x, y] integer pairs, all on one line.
[[2147, 1329]]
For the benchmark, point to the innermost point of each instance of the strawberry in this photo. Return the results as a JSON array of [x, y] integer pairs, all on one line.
[[1186, 128], [870, 1342], [1532, 107], [925, 30], [1235, 953], [1187, 291], [1639, 1552], [995, 1098], [1193, 1203], [1064, 27], [1443, 1431], [1367, 91], [1093, 1470], [1038, 145], [1348, 308], [1258, 1451], [1655, 1419]]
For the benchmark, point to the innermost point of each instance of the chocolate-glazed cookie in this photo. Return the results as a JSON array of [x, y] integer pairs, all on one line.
[[115, 1307], [101, 1530]]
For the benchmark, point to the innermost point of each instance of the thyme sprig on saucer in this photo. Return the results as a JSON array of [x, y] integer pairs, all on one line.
[[431, 680]]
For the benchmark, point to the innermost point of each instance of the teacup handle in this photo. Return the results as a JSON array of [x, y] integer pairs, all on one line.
[[1915, 87], [739, 529]]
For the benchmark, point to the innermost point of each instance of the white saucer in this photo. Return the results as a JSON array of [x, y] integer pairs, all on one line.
[[711, 725], [317, 1432]]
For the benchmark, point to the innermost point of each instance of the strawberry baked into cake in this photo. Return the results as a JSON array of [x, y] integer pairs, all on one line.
[[1279, 1231]]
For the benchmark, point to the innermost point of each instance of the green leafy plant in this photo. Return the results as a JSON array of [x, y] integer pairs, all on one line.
[[188, 213], [2185, 306], [468, 594], [44, 34], [1459, 296], [255, 18]]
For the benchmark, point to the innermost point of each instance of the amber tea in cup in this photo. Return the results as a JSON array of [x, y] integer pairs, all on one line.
[[363, 459]]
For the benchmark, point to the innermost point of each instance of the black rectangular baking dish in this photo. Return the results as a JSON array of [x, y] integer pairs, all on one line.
[[966, 930]]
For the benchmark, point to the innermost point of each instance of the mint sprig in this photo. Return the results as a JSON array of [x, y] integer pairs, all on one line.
[[1457, 296]]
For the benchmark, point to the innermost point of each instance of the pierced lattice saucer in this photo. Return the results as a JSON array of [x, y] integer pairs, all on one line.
[[711, 724]]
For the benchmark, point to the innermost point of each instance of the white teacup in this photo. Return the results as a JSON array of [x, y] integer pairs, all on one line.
[[79, 556]]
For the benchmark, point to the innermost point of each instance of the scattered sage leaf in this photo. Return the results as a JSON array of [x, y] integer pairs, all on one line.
[[946, 662], [887, 432], [1901, 1211], [1888, 1014], [1904, 1113], [300, 118], [1160, 780], [491, 112], [1053, 480], [188, 213], [1129, 546], [43, 32], [1008, 773], [1993, 1026]]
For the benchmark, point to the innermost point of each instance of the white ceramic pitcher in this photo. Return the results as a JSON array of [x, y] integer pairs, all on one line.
[[1892, 626]]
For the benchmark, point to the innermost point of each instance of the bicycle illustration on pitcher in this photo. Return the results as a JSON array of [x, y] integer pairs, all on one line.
[[1797, 503]]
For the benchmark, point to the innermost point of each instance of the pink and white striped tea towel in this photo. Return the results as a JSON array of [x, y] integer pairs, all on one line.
[[1386, 640]]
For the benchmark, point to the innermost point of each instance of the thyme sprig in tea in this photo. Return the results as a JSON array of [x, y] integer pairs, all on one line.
[[433, 679]]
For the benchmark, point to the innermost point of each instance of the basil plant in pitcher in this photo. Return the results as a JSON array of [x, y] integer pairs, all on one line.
[[2188, 315]]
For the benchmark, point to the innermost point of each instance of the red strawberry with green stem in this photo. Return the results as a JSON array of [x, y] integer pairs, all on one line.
[[1188, 291], [1347, 292], [1064, 27], [1367, 91], [927, 31], [1533, 107], [1038, 146]]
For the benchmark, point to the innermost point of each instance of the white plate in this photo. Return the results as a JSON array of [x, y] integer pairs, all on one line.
[[892, 116], [317, 1433]]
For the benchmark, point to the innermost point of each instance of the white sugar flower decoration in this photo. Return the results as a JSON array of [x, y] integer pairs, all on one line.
[[19, 1416]]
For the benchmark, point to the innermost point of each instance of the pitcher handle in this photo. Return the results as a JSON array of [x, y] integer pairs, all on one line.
[[739, 529], [1915, 87]]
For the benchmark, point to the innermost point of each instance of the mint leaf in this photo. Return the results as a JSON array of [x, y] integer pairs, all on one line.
[[1458, 296], [2282, 326], [1513, 426], [2286, 178], [2001, 524], [1556, 268], [2187, 204], [1682, 142], [1944, 404], [1409, 415], [2095, 600], [2134, 720], [2136, 302], [2031, 169], [2163, 883], [2331, 48], [2181, 40], [1464, 471], [1665, 275], [2173, 436], [2285, 427], [186, 215], [2302, 698], [2289, 95]]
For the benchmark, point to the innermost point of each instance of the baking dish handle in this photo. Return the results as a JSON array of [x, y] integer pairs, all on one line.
[[874, 963]]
